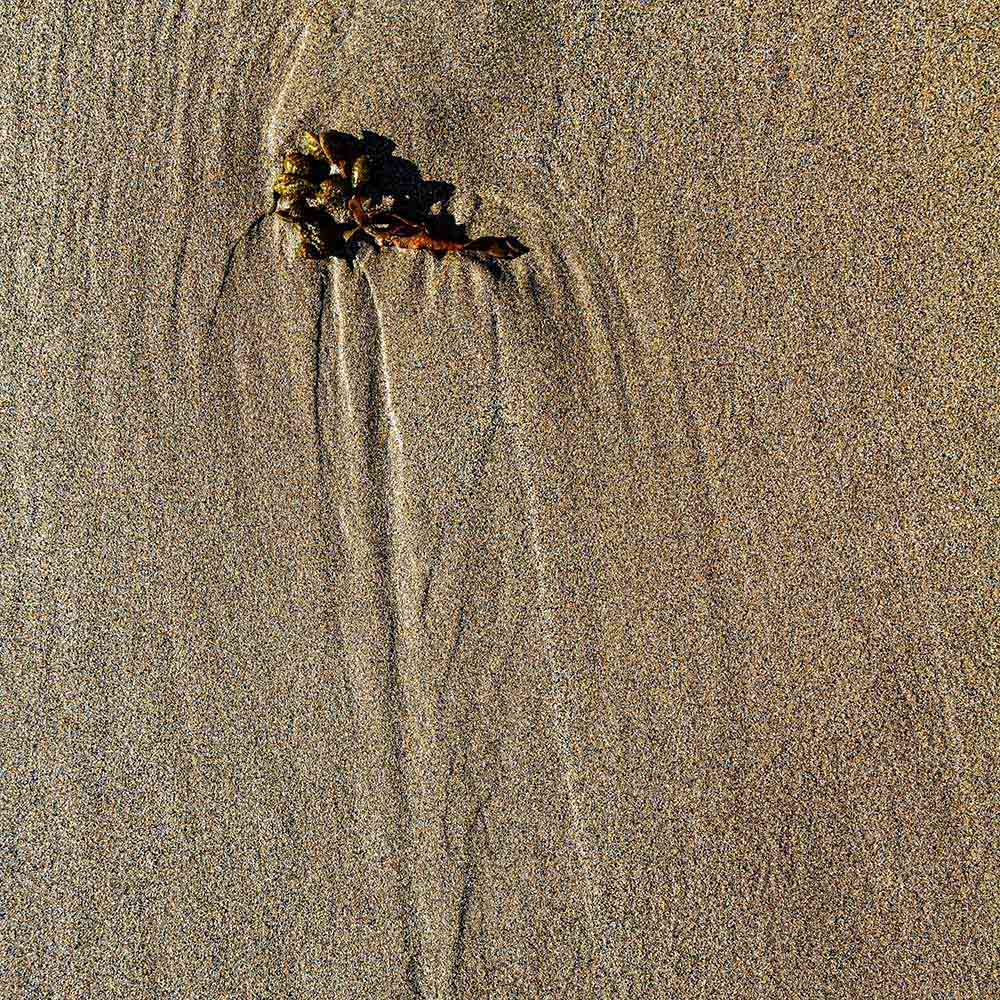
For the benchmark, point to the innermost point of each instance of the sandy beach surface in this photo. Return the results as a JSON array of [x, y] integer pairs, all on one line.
[[619, 621]]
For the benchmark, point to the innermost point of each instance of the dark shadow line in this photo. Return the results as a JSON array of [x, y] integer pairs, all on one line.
[[622, 387], [318, 361], [413, 977], [452, 656], [476, 824], [229, 266]]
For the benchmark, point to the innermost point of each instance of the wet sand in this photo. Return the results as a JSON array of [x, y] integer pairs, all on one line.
[[616, 623]]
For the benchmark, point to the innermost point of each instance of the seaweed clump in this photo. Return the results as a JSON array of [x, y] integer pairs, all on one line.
[[326, 192]]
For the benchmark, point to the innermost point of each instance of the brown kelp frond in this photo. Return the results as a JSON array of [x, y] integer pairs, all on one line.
[[497, 247], [334, 174]]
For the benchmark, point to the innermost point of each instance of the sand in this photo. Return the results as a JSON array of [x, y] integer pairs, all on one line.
[[617, 624]]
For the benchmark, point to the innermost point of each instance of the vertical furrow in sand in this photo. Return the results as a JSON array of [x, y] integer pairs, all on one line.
[[318, 370], [610, 324], [475, 845], [602, 318], [234, 248], [546, 626], [474, 482], [371, 625], [546, 620], [420, 859], [442, 885], [279, 117]]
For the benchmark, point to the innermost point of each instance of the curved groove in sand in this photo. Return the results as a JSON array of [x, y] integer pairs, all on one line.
[[579, 278], [597, 292], [547, 624], [300, 45], [366, 517], [392, 419], [371, 448], [278, 115]]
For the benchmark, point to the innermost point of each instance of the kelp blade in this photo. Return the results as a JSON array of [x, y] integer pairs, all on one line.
[[497, 247]]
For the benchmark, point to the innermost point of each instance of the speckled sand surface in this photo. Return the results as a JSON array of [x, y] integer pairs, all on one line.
[[618, 625]]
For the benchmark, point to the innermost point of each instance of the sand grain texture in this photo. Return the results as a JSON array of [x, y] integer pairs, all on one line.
[[619, 624]]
